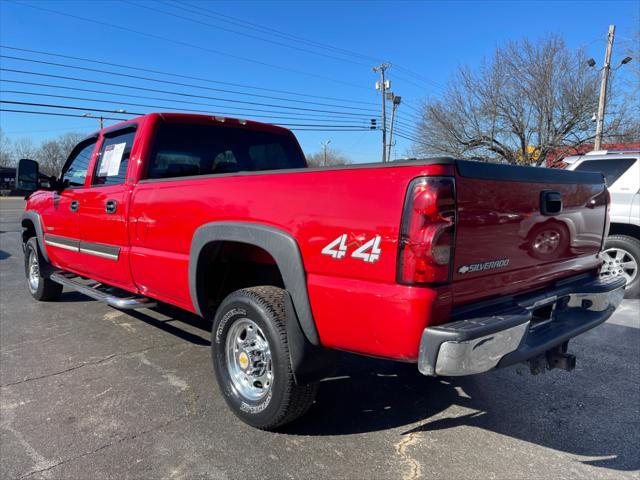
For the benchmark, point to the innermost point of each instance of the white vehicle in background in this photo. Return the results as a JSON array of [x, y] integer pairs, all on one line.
[[621, 170]]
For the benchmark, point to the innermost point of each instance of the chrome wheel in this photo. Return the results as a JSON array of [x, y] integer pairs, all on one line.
[[617, 262], [33, 273], [547, 241], [249, 359]]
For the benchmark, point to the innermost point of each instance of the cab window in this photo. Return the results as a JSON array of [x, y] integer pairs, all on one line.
[[75, 169], [612, 169], [113, 159], [198, 149]]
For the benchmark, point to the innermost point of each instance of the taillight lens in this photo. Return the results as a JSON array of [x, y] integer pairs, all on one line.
[[427, 232]]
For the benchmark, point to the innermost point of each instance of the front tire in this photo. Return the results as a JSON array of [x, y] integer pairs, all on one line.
[[621, 258], [251, 359], [41, 288]]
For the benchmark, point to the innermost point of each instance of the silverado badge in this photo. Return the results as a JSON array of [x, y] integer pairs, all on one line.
[[478, 267]]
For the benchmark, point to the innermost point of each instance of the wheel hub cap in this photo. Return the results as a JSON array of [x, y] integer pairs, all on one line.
[[617, 262], [33, 271], [249, 359], [547, 241]]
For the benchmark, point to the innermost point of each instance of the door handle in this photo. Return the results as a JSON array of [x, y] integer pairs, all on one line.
[[550, 202], [110, 206], [74, 206]]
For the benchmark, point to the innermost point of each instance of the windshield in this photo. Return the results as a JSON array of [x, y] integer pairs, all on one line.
[[192, 149]]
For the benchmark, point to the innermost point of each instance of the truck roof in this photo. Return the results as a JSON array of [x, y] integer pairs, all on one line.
[[204, 119], [601, 155]]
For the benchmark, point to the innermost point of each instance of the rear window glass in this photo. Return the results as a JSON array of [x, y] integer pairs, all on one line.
[[611, 169], [190, 149]]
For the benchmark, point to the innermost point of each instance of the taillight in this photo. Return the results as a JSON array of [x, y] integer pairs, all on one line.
[[427, 231]]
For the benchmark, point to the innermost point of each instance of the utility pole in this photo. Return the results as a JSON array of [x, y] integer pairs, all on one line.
[[383, 86], [324, 154], [395, 102], [603, 88]]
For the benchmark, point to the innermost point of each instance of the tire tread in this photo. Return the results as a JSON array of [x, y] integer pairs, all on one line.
[[631, 244], [298, 398]]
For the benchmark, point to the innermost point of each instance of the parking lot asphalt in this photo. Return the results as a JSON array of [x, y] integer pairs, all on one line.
[[89, 392]]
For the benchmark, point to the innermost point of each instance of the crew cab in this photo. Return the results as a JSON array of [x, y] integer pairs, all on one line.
[[458, 266]]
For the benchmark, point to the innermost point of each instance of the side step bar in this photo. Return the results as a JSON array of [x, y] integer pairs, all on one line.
[[110, 295]]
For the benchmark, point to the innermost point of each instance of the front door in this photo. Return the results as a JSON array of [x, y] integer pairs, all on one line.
[[60, 217], [104, 243]]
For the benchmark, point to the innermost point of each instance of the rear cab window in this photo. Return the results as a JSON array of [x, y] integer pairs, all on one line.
[[197, 149], [612, 169], [113, 159]]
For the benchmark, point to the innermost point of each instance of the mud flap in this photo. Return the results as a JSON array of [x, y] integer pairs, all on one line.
[[309, 363]]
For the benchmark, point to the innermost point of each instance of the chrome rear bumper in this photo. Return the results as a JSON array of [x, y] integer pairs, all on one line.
[[487, 337]]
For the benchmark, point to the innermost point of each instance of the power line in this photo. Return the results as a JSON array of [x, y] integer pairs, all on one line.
[[33, 112], [165, 107], [271, 31], [180, 101], [169, 82], [190, 95], [55, 113], [46, 130], [189, 77], [300, 129], [187, 44], [407, 137], [70, 107], [274, 42]]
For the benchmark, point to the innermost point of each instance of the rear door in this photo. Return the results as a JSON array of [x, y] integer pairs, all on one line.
[[103, 218], [61, 215]]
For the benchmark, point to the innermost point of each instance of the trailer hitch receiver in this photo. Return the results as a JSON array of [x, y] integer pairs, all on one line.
[[555, 358]]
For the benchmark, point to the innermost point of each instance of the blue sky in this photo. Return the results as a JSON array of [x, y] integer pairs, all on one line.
[[424, 41]]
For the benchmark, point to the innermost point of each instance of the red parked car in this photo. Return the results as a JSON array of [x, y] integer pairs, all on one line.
[[437, 262]]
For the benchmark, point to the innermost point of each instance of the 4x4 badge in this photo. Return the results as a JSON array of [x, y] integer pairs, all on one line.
[[479, 267]]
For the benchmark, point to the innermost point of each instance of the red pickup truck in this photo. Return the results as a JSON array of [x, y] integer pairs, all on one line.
[[458, 266]]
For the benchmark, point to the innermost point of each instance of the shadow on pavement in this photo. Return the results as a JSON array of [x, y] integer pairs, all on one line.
[[175, 314], [368, 395]]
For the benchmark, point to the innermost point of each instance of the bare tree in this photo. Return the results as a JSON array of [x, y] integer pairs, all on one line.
[[630, 81], [6, 150], [334, 157], [24, 148], [51, 157], [528, 101], [52, 154]]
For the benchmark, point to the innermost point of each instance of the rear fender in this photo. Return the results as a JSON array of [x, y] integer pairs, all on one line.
[[280, 245]]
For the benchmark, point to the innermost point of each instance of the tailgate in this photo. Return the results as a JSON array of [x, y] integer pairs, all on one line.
[[539, 222]]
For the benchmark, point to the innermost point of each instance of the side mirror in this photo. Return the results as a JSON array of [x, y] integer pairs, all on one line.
[[28, 175]]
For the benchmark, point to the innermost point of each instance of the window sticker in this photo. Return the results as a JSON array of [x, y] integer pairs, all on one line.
[[111, 159]]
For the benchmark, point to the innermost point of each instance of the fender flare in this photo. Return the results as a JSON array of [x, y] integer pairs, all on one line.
[[279, 244], [34, 218]]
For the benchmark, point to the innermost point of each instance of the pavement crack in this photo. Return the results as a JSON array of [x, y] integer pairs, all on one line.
[[85, 364], [102, 447], [414, 469]]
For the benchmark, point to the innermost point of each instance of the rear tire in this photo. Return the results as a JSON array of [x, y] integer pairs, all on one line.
[[621, 257], [251, 359], [41, 288]]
